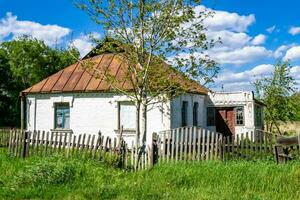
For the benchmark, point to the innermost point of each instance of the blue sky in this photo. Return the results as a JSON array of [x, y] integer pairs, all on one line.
[[255, 33]]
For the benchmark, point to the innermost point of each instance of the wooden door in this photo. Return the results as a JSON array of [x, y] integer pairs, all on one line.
[[225, 122]]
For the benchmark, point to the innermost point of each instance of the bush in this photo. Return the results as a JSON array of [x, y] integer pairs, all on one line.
[[47, 172]]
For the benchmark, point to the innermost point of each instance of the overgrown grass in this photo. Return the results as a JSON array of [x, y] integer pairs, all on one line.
[[58, 178]]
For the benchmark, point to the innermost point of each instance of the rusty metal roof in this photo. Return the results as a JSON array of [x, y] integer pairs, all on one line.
[[76, 78]]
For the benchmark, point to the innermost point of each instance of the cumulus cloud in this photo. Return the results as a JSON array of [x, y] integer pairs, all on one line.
[[237, 46], [280, 50], [271, 29], [223, 20], [238, 81], [229, 39], [293, 53], [84, 43], [259, 39], [240, 56], [246, 76], [50, 34], [294, 30]]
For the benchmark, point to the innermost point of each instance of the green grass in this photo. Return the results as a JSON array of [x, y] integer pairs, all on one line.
[[57, 178]]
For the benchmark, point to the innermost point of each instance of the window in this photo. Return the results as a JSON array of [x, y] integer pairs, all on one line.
[[211, 113], [258, 115], [62, 116], [127, 115], [239, 116], [184, 113], [195, 113]]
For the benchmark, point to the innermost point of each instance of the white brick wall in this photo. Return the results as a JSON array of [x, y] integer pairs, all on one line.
[[89, 113]]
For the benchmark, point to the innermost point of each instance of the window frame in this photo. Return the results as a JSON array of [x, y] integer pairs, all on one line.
[[56, 105], [211, 110], [184, 113], [195, 114], [236, 116], [258, 110], [133, 130]]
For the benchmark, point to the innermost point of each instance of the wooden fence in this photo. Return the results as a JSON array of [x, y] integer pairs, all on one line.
[[181, 144], [4, 137], [113, 150], [189, 144], [194, 143]]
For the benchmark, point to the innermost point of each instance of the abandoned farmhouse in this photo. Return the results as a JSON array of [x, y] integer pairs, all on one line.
[[73, 99]]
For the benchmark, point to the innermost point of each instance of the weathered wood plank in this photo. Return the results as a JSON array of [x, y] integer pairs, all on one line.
[[174, 133], [199, 144], [208, 136], [186, 132], [181, 144], [194, 142], [211, 145], [169, 135], [164, 147], [177, 144], [203, 144]]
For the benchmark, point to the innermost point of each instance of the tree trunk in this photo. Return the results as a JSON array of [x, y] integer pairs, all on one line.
[[271, 127], [278, 129], [137, 122], [144, 123]]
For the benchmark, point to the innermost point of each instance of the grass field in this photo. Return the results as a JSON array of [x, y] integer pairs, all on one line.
[[57, 178], [291, 128]]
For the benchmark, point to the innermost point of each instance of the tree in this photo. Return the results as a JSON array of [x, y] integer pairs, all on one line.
[[296, 99], [275, 91], [149, 32], [24, 62]]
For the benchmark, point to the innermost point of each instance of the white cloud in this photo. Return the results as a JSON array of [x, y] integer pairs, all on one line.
[[240, 56], [223, 20], [294, 30], [238, 81], [50, 34], [293, 54], [280, 50], [229, 39], [246, 76], [237, 46], [84, 43], [271, 29], [259, 39]]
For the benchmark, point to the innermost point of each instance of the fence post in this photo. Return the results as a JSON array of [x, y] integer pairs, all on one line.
[[69, 143], [25, 144], [153, 151]]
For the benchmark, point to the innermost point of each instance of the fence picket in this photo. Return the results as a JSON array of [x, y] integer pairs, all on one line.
[[64, 144], [216, 146], [87, 146], [168, 144], [164, 146], [199, 144], [203, 144], [186, 132], [177, 144], [181, 144], [194, 143], [211, 145], [174, 133], [208, 136]]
